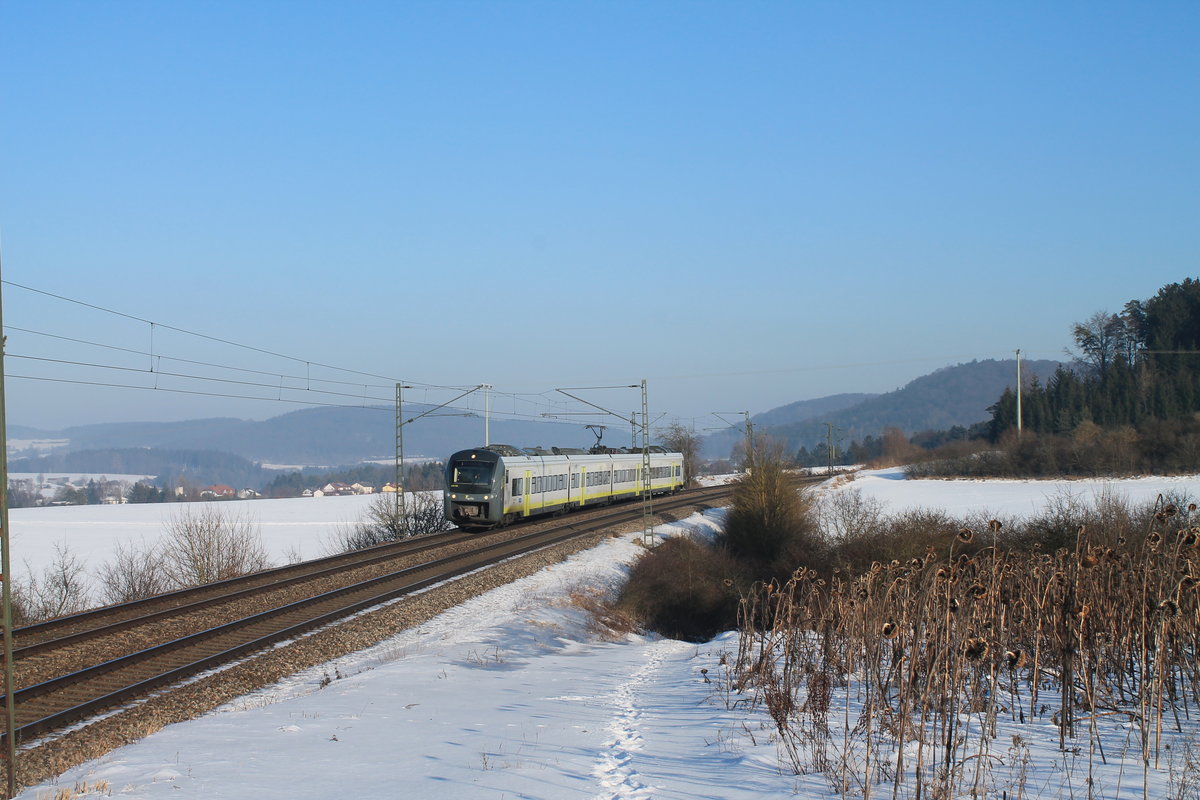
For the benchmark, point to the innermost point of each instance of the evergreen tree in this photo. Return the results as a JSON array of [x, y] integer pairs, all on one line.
[[142, 492]]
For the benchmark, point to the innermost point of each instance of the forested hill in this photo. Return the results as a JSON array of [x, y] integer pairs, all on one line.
[[720, 443], [958, 395]]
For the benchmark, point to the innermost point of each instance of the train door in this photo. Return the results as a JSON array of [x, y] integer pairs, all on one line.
[[527, 488]]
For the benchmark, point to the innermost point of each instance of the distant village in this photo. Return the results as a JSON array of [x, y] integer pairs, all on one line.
[[222, 492]]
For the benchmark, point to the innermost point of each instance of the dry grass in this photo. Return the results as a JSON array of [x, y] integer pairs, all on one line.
[[81, 789], [606, 620]]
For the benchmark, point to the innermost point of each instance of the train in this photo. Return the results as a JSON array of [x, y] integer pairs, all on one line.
[[496, 485]]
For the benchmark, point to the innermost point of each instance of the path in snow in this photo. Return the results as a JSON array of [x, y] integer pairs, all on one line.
[[615, 768]]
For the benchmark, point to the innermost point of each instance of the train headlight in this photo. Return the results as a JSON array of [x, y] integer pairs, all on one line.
[[453, 497], [487, 497]]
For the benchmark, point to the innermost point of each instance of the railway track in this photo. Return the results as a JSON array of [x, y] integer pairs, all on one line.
[[203, 628]]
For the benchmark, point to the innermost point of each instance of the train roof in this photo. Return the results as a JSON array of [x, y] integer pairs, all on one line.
[[513, 452]]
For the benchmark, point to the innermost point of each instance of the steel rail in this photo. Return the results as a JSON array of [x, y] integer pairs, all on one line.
[[231, 589], [262, 577]]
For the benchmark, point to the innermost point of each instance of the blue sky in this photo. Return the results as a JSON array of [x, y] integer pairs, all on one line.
[[746, 204]]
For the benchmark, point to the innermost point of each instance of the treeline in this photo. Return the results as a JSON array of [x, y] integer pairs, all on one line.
[[418, 477], [892, 444], [24, 493]]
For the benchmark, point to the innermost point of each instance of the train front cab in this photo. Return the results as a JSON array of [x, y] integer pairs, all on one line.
[[474, 489]]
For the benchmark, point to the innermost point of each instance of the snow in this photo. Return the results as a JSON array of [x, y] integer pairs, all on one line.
[[514, 694], [1002, 498], [291, 529]]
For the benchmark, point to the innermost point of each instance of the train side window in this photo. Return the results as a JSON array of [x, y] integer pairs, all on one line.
[[516, 486]]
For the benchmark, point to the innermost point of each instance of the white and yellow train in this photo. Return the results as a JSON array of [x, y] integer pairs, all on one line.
[[496, 485]]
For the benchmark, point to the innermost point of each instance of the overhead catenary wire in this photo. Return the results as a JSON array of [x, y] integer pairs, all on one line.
[[193, 377], [164, 357], [225, 395], [157, 358], [198, 335]]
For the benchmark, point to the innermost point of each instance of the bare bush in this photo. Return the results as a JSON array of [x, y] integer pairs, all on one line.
[[384, 521], [908, 534], [133, 574], [771, 524], [684, 589], [204, 545], [60, 589], [848, 514]]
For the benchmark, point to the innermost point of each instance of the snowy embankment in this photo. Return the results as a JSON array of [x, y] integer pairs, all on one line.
[[516, 695]]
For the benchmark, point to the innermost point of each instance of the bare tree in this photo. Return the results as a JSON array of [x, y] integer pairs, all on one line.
[[676, 438], [1100, 338], [204, 545], [426, 514], [133, 574]]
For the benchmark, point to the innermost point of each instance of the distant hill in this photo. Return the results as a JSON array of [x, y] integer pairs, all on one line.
[[323, 436], [958, 395], [25, 432]]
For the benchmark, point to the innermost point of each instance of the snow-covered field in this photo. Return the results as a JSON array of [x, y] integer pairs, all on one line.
[[514, 695], [291, 529], [1003, 498]]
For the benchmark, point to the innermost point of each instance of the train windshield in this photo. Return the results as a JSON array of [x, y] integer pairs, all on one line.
[[471, 473]]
